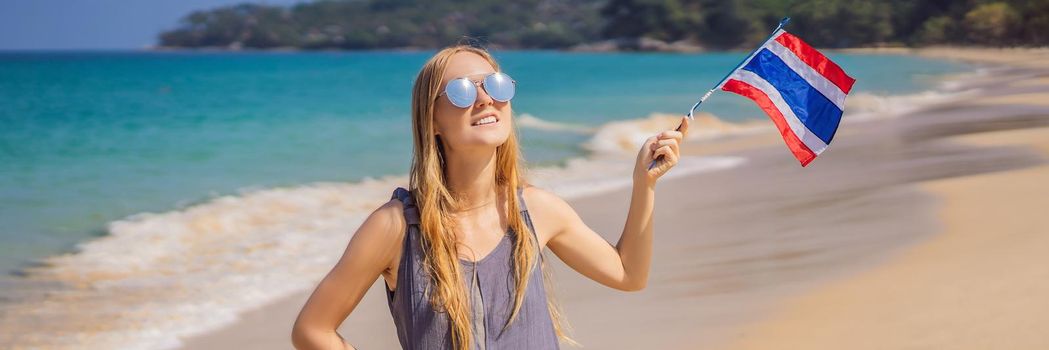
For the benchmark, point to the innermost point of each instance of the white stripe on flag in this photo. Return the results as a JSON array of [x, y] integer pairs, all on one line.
[[772, 39], [810, 139], [814, 78]]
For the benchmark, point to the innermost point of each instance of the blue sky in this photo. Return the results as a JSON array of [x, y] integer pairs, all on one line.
[[95, 24]]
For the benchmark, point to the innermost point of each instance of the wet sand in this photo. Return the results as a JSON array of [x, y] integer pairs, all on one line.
[[749, 249]]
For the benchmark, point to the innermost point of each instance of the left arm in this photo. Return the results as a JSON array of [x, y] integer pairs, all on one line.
[[624, 266]]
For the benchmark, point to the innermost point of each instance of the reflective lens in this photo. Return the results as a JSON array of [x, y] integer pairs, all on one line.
[[461, 92], [499, 86]]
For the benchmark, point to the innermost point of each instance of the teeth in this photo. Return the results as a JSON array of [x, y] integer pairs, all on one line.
[[485, 120]]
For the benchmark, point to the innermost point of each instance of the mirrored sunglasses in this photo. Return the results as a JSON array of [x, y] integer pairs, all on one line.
[[462, 92]]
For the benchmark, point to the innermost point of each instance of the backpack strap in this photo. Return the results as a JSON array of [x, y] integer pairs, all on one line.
[[411, 212]]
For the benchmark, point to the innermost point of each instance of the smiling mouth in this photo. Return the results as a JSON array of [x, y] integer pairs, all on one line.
[[485, 121]]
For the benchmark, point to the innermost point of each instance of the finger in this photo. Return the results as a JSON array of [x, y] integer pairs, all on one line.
[[669, 159], [670, 134], [673, 143], [683, 128], [674, 157], [662, 151]]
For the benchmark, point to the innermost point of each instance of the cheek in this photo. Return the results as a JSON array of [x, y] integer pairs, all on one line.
[[447, 119], [507, 114]]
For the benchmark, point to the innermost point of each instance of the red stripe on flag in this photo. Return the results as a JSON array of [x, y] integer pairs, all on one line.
[[802, 152], [817, 61]]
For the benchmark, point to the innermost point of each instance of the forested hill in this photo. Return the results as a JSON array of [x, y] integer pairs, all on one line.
[[610, 24]]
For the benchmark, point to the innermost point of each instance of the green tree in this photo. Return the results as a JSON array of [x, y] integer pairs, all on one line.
[[992, 24], [842, 23], [667, 20], [936, 30], [370, 24], [1035, 13]]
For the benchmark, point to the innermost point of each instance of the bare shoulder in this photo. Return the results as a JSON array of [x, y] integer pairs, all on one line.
[[391, 214], [368, 255], [380, 235], [387, 222], [540, 198], [550, 213]]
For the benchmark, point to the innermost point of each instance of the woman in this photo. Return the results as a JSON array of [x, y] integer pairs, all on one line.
[[458, 274]]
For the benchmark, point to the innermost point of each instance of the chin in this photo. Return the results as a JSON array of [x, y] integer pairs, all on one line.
[[493, 141], [492, 138]]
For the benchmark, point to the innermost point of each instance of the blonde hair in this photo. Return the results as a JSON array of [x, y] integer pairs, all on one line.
[[435, 201]]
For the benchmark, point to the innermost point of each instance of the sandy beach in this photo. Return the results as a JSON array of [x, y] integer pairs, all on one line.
[[923, 230], [978, 283]]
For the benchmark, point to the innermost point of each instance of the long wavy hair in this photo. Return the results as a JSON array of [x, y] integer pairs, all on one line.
[[435, 201]]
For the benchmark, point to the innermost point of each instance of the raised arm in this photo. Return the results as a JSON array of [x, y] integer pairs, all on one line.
[[371, 252], [624, 266]]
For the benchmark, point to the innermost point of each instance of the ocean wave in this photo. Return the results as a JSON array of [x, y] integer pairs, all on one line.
[[861, 106], [577, 178], [865, 106], [532, 122], [627, 136], [157, 278]]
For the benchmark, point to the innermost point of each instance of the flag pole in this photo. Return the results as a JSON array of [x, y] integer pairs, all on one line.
[[782, 23], [717, 86]]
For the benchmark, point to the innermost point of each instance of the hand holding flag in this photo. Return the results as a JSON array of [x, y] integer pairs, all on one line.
[[666, 146], [800, 89]]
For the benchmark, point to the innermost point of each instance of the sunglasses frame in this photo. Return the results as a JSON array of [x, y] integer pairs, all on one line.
[[477, 84]]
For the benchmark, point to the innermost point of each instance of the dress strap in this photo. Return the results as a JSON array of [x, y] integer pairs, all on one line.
[[520, 199], [411, 212], [528, 222]]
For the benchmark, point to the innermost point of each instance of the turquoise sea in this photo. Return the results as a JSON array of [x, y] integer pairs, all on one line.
[[91, 141]]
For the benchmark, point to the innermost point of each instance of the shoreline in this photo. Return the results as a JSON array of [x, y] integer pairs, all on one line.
[[267, 324], [768, 274]]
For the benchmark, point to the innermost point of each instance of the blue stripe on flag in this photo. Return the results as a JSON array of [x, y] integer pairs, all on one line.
[[819, 114]]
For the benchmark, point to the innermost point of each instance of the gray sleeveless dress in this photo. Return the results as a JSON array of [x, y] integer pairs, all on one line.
[[420, 327]]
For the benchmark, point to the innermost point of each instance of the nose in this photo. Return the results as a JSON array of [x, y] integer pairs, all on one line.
[[482, 97]]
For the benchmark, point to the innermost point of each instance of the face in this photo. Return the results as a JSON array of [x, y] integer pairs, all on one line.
[[458, 127]]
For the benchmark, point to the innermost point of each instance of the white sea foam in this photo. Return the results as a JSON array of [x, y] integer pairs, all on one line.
[[159, 277], [862, 106], [576, 179], [866, 106], [526, 120], [627, 136]]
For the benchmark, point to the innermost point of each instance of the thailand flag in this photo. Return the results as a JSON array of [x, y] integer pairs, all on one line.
[[801, 90]]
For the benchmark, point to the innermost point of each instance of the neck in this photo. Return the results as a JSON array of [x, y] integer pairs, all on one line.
[[471, 177]]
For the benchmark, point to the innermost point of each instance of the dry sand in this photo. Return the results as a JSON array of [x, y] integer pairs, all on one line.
[[770, 249], [981, 283]]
